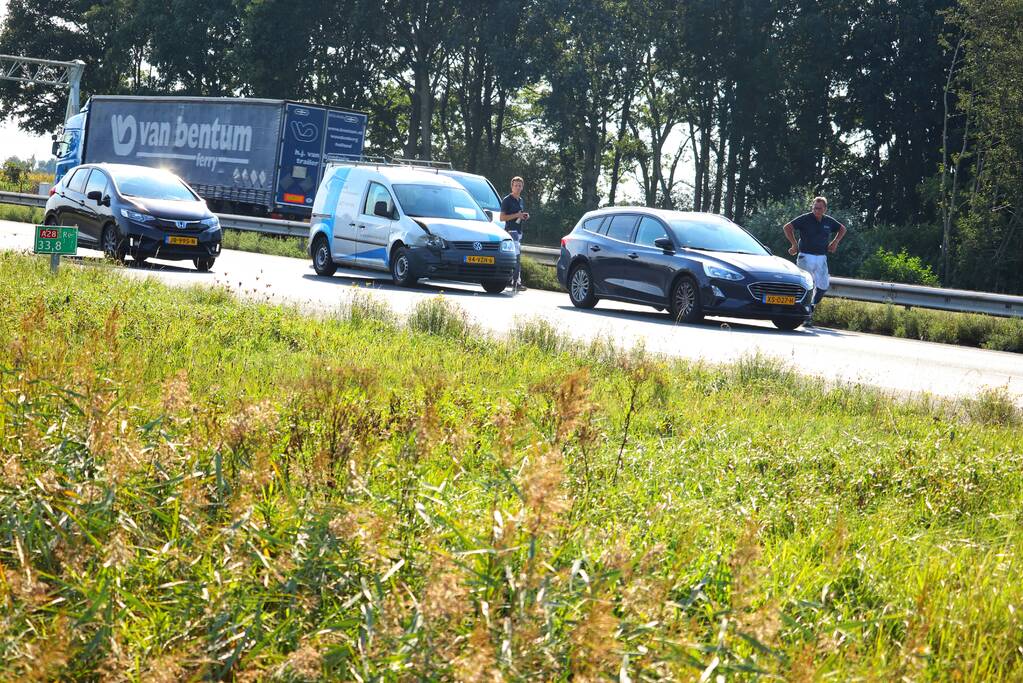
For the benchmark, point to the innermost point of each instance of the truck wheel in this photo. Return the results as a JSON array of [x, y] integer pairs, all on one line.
[[323, 264], [204, 263], [495, 286], [113, 243], [401, 268]]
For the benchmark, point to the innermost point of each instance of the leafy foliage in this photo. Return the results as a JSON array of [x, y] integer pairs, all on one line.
[[886, 266]]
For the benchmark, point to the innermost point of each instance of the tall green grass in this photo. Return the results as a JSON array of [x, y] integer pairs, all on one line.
[[965, 329], [538, 276], [21, 214], [193, 487], [259, 243]]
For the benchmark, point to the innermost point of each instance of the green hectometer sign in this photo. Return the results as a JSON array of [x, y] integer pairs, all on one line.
[[56, 239]]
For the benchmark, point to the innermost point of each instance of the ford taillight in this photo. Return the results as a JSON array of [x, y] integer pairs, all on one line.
[[53, 190]]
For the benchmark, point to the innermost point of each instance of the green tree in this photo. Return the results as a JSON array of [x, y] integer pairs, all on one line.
[[192, 44], [111, 38], [988, 251], [583, 84]]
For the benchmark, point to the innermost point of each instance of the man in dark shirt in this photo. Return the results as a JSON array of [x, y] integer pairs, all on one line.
[[819, 236], [513, 213]]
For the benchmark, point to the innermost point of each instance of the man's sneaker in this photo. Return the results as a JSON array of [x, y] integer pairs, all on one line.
[[809, 324], [520, 287]]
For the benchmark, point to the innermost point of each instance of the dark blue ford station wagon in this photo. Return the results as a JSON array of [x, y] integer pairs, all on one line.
[[692, 264]]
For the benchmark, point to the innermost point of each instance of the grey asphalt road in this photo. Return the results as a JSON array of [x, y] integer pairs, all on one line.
[[897, 365]]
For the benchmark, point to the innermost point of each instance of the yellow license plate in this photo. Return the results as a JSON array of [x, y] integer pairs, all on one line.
[[484, 260], [190, 241], [783, 300]]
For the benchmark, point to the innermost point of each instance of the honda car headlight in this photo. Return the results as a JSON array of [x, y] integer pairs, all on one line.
[[508, 246], [722, 273], [136, 216], [212, 222]]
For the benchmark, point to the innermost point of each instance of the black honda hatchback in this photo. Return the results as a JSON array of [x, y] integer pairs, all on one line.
[[136, 211], [692, 264]]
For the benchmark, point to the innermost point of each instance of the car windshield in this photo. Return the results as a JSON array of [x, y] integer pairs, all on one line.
[[715, 235], [438, 201], [152, 185], [480, 190]]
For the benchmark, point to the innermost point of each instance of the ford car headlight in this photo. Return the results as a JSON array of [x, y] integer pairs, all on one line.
[[722, 273], [136, 216], [508, 246]]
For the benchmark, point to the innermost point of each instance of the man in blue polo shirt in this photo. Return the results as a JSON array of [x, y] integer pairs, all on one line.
[[819, 235], [513, 213]]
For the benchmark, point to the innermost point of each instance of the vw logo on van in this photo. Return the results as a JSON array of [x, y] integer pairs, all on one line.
[[477, 246]]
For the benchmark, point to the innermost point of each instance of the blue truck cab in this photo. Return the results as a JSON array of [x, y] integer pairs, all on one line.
[[68, 146], [411, 222]]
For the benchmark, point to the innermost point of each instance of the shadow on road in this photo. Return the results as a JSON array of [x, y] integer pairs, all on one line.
[[714, 324], [460, 289], [167, 268], [99, 261]]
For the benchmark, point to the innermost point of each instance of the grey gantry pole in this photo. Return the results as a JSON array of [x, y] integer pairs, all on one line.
[[75, 82], [46, 72]]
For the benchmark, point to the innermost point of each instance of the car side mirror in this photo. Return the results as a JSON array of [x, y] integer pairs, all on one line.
[[106, 200], [380, 209], [55, 147], [95, 196], [489, 214], [664, 243]]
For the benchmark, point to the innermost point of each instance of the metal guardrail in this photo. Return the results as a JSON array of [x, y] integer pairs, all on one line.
[[957, 300], [266, 226], [545, 256], [23, 199]]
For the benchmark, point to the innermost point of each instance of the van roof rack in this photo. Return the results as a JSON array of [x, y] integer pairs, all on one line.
[[371, 160], [425, 163], [357, 159]]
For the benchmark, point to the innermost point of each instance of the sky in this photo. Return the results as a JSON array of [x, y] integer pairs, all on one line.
[[15, 142]]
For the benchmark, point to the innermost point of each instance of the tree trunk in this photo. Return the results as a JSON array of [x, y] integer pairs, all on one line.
[[698, 163], [946, 208], [413, 127], [496, 132], [591, 166], [742, 184], [734, 146], [616, 164], [719, 151], [425, 92]]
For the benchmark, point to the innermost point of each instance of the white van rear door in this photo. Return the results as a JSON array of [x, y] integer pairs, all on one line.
[[346, 218]]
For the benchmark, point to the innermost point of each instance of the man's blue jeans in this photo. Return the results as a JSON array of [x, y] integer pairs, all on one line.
[[517, 276]]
